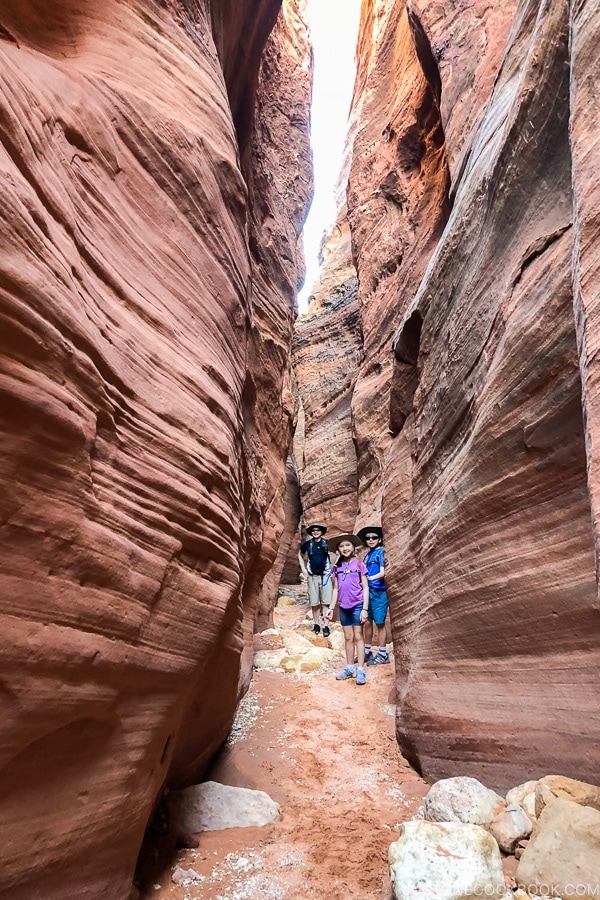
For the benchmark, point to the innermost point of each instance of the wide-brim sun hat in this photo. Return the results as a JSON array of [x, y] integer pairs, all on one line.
[[333, 542], [318, 525], [370, 529]]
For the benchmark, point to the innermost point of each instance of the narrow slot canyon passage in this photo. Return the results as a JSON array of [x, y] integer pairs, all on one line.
[[224, 413], [327, 753]]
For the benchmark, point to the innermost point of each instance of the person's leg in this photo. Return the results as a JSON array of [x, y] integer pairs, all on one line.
[[368, 635], [358, 639], [349, 643], [360, 645], [314, 600], [348, 630], [378, 604], [325, 603], [381, 635]]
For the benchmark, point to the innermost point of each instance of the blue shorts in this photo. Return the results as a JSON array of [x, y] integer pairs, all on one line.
[[378, 605], [350, 616]]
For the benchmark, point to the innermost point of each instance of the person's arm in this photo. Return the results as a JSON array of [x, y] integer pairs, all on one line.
[[303, 569], [334, 596], [365, 607]]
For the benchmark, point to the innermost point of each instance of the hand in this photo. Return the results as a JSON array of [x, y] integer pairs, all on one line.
[[364, 613], [303, 577], [329, 614]]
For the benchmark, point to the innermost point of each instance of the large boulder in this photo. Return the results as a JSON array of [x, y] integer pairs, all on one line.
[[450, 861], [212, 806], [552, 786], [562, 858], [462, 799]]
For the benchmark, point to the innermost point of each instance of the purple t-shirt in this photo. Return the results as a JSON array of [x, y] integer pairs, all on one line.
[[350, 592]]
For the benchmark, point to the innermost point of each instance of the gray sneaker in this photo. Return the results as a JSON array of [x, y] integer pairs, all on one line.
[[361, 677], [378, 660]]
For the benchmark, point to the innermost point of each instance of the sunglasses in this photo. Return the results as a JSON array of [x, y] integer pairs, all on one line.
[[371, 537]]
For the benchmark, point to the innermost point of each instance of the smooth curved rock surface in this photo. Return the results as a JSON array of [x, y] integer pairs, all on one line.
[[327, 352], [473, 209], [497, 622], [139, 320]]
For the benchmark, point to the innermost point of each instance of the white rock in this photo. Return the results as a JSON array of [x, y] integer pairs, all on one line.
[[295, 643], [563, 852], [269, 659], [337, 640], [298, 654], [310, 661], [462, 799], [184, 877], [269, 631], [450, 861], [212, 807], [524, 795], [511, 826]]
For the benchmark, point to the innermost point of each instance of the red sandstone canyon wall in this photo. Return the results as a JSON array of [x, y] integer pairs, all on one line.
[[473, 212], [584, 129], [496, 621], [327, 355], [148, 280]]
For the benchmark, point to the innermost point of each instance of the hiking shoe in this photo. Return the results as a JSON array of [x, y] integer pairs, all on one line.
[[348, 672], [368, 656], [361, 678], [316, 629], [326, 631], [378, 660]]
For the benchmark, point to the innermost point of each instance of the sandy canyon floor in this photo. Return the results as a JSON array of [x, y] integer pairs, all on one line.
[[326, 752]]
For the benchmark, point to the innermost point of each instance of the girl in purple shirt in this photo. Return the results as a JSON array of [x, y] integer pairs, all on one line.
[[351, 588]]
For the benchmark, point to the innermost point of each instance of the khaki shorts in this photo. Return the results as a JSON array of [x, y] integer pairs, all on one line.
[[319, 594]]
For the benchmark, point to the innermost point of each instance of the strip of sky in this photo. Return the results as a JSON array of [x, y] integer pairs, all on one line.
[[334, 28]]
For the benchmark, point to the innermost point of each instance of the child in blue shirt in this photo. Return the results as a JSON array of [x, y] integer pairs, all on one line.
[[372, 537]]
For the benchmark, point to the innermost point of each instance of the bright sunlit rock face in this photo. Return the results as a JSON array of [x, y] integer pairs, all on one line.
[[150, 215]]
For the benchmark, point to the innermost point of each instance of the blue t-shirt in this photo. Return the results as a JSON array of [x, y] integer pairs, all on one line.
[[374, 562]]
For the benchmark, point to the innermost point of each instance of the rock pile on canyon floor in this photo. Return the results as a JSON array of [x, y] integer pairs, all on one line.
[[548, 831]]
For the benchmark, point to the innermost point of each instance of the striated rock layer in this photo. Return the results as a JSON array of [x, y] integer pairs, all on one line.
[[472, 159], [585, 146], [327, 353], [498, 601], [147, 279]]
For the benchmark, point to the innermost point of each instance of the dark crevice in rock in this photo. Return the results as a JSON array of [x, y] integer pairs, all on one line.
[[405, 376], [425, 55]]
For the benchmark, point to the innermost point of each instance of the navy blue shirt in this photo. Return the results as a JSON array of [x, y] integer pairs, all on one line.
[[318, 555]]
